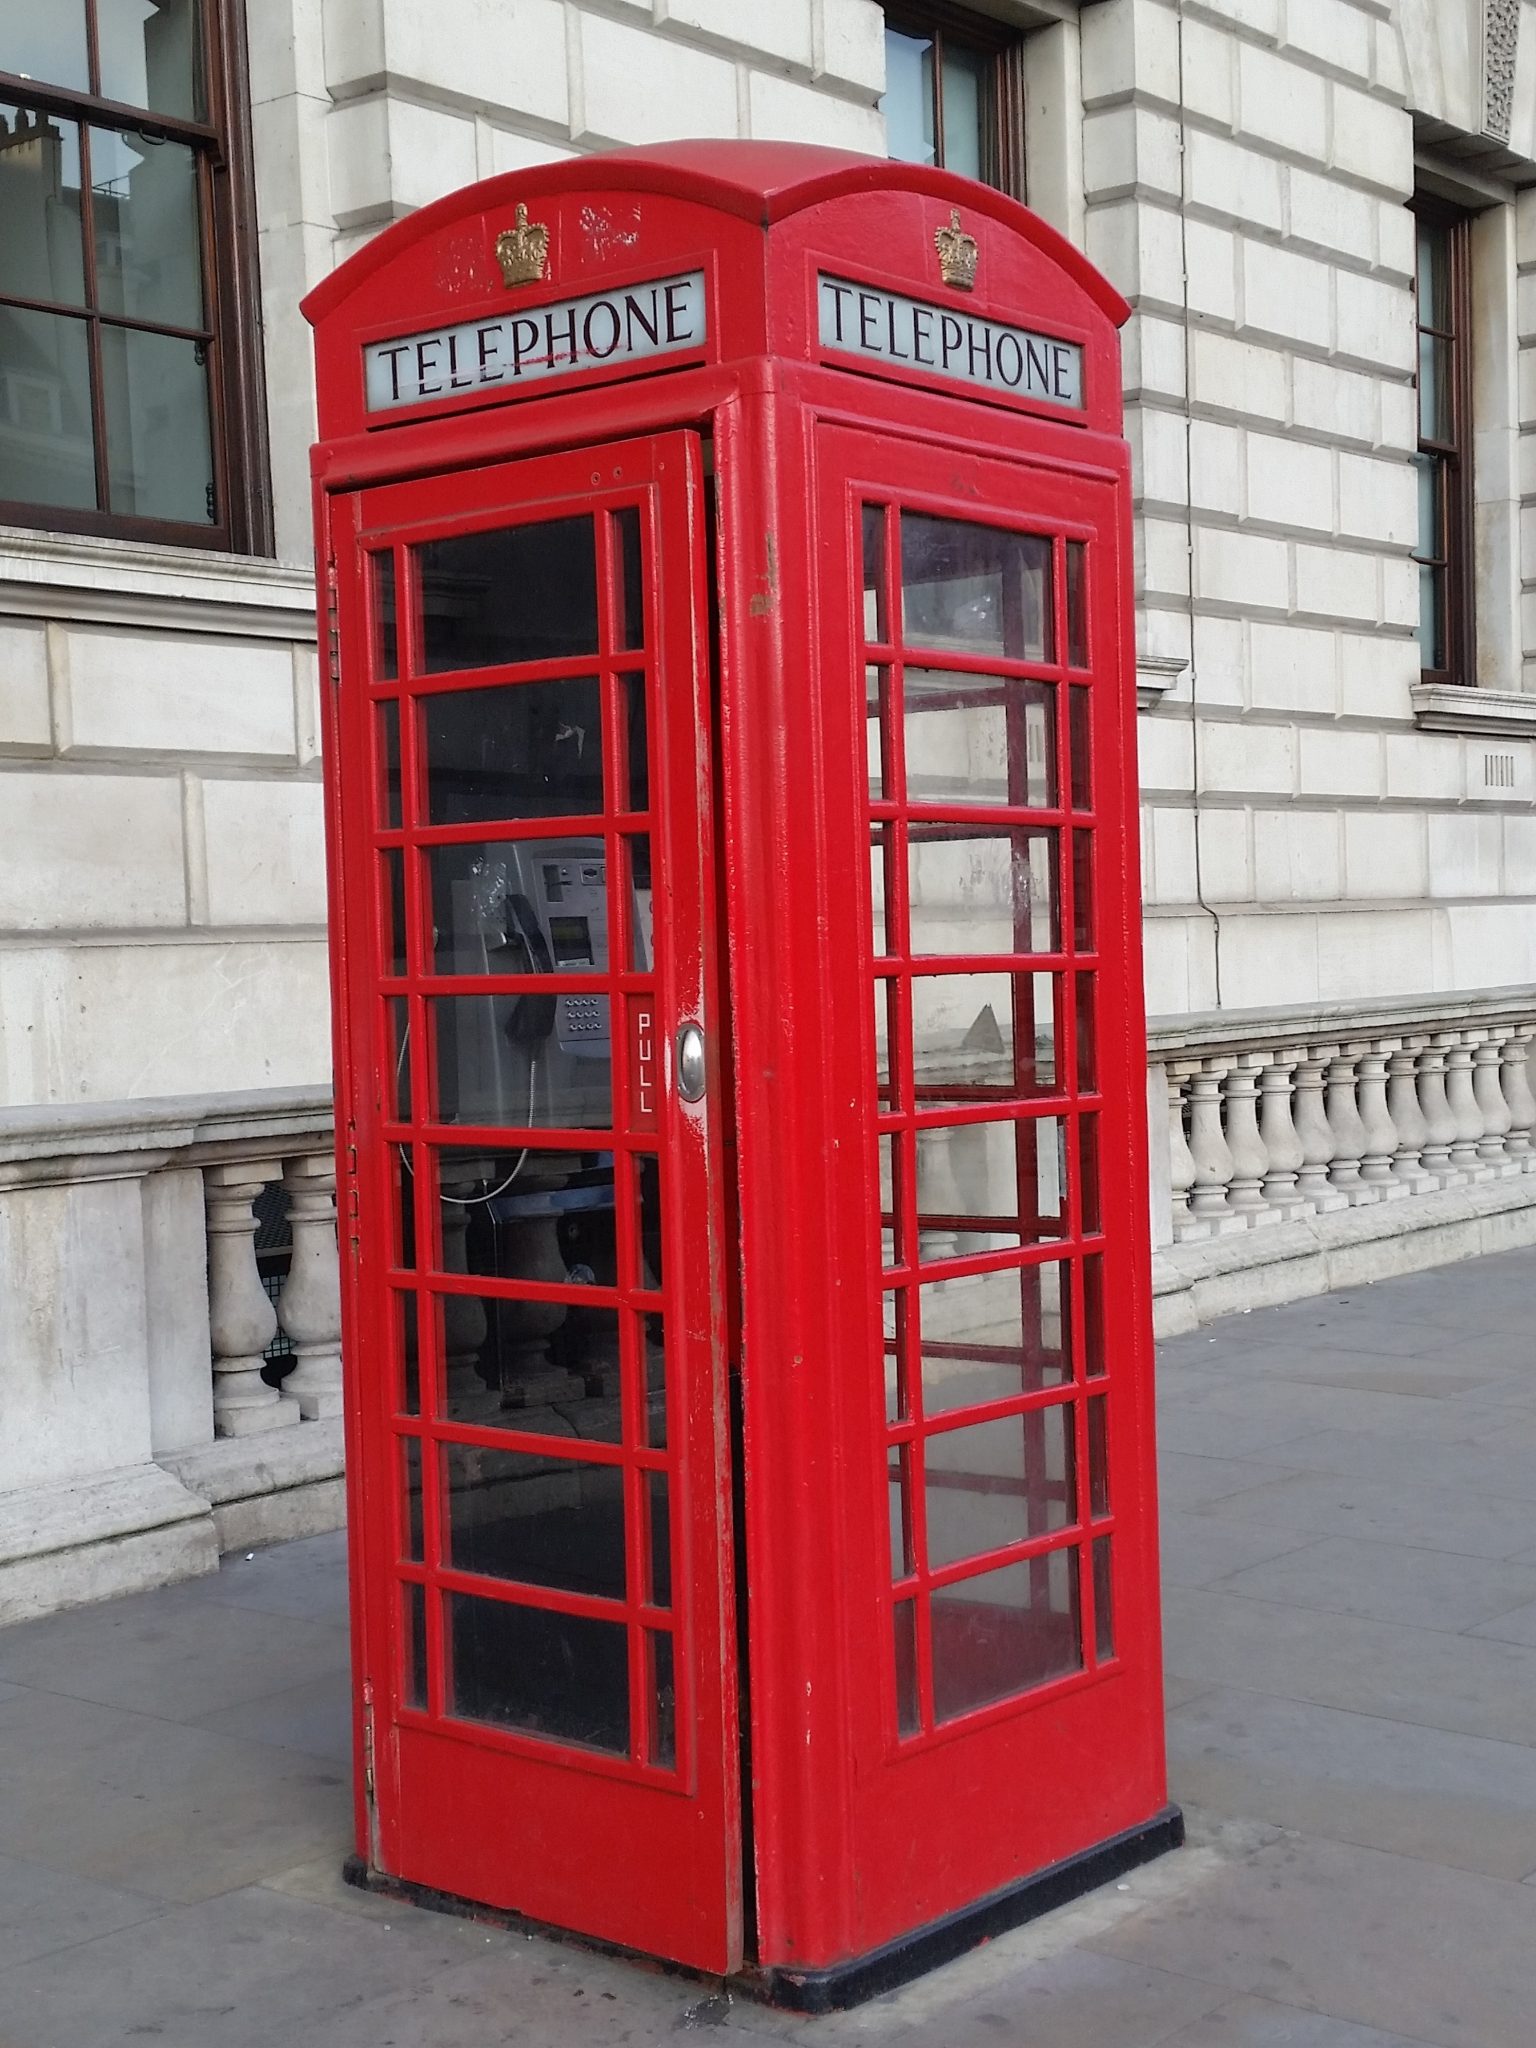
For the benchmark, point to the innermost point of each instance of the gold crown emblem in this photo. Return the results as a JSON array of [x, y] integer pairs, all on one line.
[[523, 250], [957, 254]]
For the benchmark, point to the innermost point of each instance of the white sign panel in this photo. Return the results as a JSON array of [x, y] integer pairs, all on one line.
[[631, 325], [886, 328]]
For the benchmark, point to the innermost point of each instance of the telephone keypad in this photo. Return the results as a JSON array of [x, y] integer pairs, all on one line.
[[584, 1016]]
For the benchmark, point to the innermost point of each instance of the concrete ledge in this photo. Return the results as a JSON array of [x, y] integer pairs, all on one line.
[[270, 1488], [1200, 1279], [114, 1532]]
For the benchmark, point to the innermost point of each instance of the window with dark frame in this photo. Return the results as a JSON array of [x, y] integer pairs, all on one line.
[[1444, 458], [953, 93], [129, 384]]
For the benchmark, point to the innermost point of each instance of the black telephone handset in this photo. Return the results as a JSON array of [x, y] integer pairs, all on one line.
[[532, 1018]]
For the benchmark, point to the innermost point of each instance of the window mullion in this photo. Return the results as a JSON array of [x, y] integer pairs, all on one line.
[[92, 48]]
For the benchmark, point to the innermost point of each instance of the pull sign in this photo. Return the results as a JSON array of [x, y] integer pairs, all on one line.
[[644, 1075], [895, 332], [608, 329]]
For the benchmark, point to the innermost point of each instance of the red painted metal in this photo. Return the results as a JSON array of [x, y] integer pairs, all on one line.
[[925, 1727]]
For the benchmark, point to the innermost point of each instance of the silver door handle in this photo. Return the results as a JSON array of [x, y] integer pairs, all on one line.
[[690, 1063]]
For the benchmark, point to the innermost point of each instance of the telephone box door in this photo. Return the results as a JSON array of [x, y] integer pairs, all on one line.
[[529, 1059]]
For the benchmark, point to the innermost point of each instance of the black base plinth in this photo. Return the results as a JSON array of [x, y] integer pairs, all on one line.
[[846, 1984]]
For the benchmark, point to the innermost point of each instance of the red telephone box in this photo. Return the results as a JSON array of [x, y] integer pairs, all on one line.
[[740, 1060]]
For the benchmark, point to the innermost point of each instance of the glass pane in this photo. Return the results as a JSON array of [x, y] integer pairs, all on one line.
[[987, 1187], [879, 856], [1079, 712], [979, 740], [414, 1622], [1431, 541], [661, 1538], [895, 1325], [397, 1053], [631, 590], [663, 1700], [148, 252], [877, 711], [517, 593], [1077, 604], [382, 567], [544, 1521], [885, 1010], [899, 1490], [151, 55], [635, 851], [558, 1675], [982, 891], [1082, 891], [1003, 1632], [543, 1368], [1098, 1458], [410, 1473], [389, 762], [159, 454], [1087, 1044], [908, 1710], [1436, 415], [1434, 275], [994, 1335], [908, 102], [1103, 1600], [520, 906], [975, 589], [408, 1341], [994, 1483], [966, 95], [983, 1037], [890, 1174], [46, 452], [1088, 1173], [1095, 1350], [47, 42], [876, 626], [541, 1062], [41, 251], [527, 750], [1432, 618], [392, 884]]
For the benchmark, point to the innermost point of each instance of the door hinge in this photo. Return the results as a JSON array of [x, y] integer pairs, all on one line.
[[368, 1776], [350, 1212], [332, 623]]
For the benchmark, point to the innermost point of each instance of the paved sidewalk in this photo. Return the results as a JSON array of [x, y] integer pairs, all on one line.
[[1350, 1542]]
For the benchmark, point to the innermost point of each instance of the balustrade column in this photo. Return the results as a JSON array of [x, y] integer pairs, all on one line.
[[1489, 1096], [1245, 1197], [1345, 1125], [940, 1194], [1283, 1153], [1439, 1122], [1461, 1097], [1181, 1161], [309, 1307], [1517, 1093], [1315, 1133], [1407, 1117], [1380, 1133], [241, 1318], [1209, 1148]]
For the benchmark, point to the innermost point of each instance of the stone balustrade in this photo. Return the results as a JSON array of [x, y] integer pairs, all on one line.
[[1258, 1121]]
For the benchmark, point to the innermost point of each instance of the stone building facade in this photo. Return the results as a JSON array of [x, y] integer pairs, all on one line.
[[1336, 629]]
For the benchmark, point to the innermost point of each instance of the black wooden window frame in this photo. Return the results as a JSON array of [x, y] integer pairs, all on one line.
[[1450, 457], [221, 145], [1002, 48]]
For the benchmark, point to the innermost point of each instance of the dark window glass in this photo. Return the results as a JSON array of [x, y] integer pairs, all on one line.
[[523, 750], [1444, 458], [518, 593], [949, 93], [562, 1676], [544, 1521], [123, 407], [1005, 1631]]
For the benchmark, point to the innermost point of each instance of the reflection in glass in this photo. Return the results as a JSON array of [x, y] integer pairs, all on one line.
[[659, 1656], [524, 750], [1436, 414], [636, 743], [879, 854], [1098, 1458], [1079, 712], [908, 1710], [877, 712], [47, 456], [516, 593], [995, 1483], [159, 448], [981, 1037], [382, 568], [389, 761], [1095, 1350], [543, 1368], [562, 1676], [984, 1187], [895, 1323], [975, 588], [1103, 1600], [661, 1539], [899, 1489], [891, 1231], [1003, 1632], [1082, 891], [41, 251], [631, 590], [150, 53], [982, 891], [47, 42], [525, 1062], [908, 101], [144, 203], [1087, 1044], [979, 739], [540, 1520], [994, 1335], [1077, 604], [885, 1018], [410, 1461], [876, 627], [967, 107], [397, 1058]]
